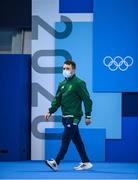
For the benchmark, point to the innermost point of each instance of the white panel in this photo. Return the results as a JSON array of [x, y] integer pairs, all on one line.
[[47, 10]]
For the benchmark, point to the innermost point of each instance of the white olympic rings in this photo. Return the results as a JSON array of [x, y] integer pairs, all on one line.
[[118, 63]]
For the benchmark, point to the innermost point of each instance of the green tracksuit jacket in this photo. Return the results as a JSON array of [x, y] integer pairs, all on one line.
[[70, 94]]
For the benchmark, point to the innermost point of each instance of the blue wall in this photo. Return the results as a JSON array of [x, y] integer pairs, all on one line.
[[115, 33], [111, 37], [125, 149], [130, 104], [71, 6], [115, 38], [15, 83]]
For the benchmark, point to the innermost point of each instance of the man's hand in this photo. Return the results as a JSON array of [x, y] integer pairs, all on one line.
[[47, 116], [87, 121]]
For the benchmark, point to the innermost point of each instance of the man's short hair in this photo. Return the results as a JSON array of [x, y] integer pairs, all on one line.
[[70, 62]]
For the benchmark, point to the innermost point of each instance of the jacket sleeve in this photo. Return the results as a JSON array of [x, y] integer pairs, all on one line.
[[84, 94], [56, 101]]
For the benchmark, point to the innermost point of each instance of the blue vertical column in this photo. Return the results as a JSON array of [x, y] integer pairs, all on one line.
[[115, 46], [15, 96]]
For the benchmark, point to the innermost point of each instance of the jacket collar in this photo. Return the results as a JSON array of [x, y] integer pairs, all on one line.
[[72, 77]]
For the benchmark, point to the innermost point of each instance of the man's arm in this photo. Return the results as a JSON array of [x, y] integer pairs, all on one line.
[[55, 104], [84, 94]]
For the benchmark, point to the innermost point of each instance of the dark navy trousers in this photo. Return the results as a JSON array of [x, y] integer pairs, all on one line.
[[71, 132]]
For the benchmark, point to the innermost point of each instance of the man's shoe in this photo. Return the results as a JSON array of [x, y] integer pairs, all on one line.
[[52, 164], [83, 166]]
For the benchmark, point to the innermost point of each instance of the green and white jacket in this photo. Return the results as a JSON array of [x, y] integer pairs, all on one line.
[[70, 95]]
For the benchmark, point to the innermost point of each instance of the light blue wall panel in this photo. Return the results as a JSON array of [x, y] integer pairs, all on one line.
[[106, 106]]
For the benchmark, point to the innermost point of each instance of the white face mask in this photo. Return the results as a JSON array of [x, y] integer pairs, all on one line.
[[67, 73]]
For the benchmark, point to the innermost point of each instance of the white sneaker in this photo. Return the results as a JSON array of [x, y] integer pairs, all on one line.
[[52, 164], [83, 166]]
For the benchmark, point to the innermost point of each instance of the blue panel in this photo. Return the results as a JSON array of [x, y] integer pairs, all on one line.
[[71, 6], [15, 80], [130, 104], [106, 106], [115, 46], [126, 149], [94, 140]]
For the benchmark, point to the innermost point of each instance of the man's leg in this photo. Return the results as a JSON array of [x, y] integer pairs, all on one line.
[[66, 138], [86, 164], [69, 132], [77, 140]]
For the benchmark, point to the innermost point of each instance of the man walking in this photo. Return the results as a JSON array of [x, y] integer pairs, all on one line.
[[70, 94]]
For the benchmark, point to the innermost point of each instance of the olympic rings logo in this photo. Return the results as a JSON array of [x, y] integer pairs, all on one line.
[[118, 63]]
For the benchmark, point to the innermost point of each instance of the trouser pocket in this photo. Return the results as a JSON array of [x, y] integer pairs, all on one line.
[[67, 121]]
